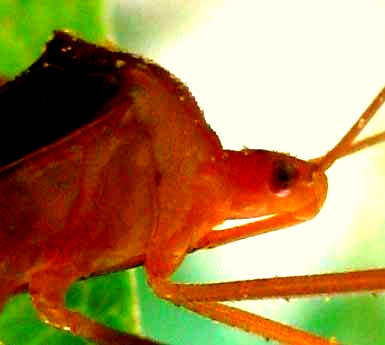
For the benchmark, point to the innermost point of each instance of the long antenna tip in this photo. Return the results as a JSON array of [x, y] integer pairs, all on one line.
[[347, 146]]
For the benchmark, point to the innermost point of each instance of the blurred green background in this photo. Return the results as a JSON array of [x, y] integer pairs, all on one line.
[[300, 73]]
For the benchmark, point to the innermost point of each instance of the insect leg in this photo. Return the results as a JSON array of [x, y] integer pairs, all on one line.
[[217, 238], [278, 287], [256, 324], [204, 298], [241, 319], [48, 290]]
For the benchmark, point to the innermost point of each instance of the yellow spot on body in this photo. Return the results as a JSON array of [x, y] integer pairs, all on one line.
[[120, 63]]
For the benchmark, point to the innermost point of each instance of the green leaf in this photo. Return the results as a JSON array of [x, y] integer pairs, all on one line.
[[26, 25], [96, 298]]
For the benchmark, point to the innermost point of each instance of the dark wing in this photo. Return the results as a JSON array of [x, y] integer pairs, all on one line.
[[63, 90]]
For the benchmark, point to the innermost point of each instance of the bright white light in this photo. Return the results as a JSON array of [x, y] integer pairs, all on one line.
[[290, 76]]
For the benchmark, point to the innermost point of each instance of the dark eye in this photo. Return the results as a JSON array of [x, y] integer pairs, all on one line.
[[282, 177]]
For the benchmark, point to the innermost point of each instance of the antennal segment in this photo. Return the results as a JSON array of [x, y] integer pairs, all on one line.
[[346, 146]]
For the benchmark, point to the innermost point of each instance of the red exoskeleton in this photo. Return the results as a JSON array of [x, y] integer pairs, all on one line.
[[137, 177]]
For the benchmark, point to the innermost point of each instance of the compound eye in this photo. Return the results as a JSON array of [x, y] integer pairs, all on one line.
[[284, 173]]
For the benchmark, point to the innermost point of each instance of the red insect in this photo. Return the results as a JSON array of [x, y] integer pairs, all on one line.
[[139, 178]]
